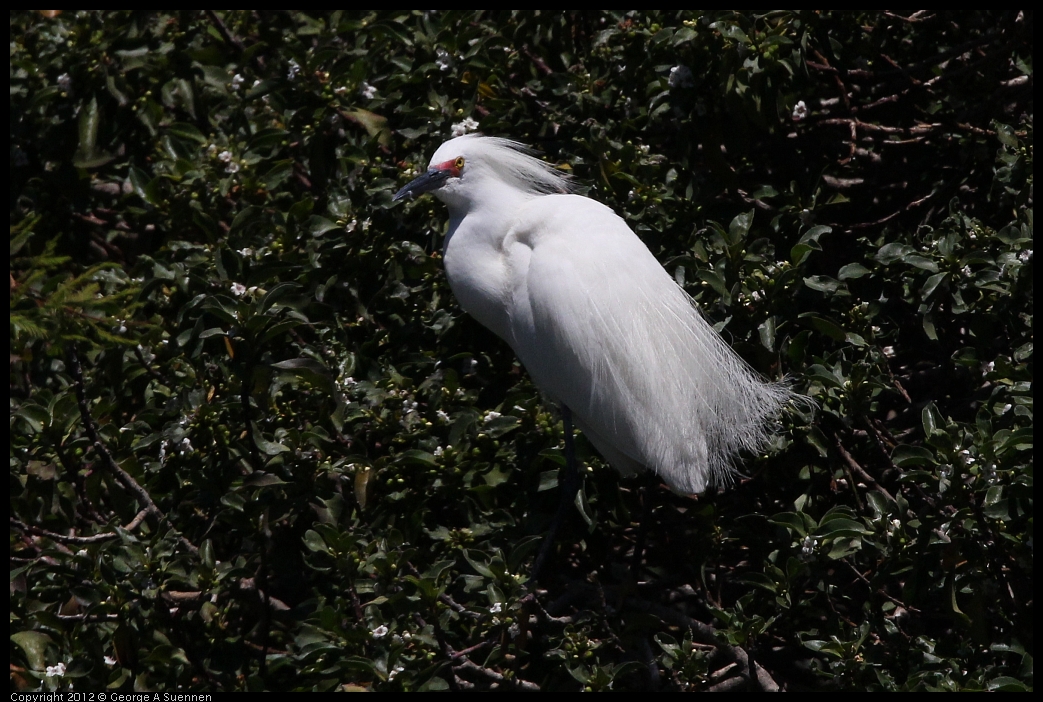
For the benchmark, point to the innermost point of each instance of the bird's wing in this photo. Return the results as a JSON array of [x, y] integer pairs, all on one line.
[[601, 327]]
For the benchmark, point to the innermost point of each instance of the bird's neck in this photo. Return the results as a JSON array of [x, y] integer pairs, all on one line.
[[475, 260]]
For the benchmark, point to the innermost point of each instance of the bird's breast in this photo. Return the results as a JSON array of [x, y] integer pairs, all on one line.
[[477, 269]]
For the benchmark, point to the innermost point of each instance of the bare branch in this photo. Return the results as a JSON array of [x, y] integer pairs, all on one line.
[[121, 475]]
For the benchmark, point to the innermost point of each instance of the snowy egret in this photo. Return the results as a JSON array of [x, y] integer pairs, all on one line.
[[597, 322]]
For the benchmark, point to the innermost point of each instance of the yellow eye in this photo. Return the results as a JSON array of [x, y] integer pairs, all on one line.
[[459, 164]]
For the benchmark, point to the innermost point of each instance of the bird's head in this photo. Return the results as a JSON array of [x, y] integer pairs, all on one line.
[[445, 171], [471, 160]]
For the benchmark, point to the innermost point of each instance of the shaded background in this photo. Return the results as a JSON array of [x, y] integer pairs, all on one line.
[[257, 445]]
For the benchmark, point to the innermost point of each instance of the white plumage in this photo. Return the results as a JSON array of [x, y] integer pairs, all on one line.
[[595, 319]]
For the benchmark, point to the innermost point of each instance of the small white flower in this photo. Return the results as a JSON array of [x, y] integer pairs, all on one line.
[[238, 289], [439, 451], [1025, 255], [680, 77], [109, 660], [800, 111], [247, 252], [442, 59], [232, 167], [490, 416], [442, 416], [295, 69], [149, 357], [186, 446], [988, 472], [496, 608], [64, 82], [350, 226], [367, 91], [225, 156], [966, 270], [756, 295], [55, 670], [889, 351], [379, 631], [1006, 408], [807, 548], [465, 127], [163, 450], [82, 552], [990, 366], [237, 81], [395, 671]]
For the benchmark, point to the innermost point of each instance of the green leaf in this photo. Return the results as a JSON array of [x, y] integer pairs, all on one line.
[[1006, 135], [417, 458], [715, 281], [739, 227], [853, 270], [794, 522], [894, 251], [374, 124], [276, 293], [932, 284], [920, 262], [823, 283], [187, 131], [731, 31], [904, 456], [932, 419], [808, 243], [88, 155], [766, 333], [34, 645], [824, 326], [317, 226], [314, 542]]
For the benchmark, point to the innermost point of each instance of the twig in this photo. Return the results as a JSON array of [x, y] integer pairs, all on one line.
[[443, 644], [141, 359], [881, 591], [859, 471], [227, 35], [121, 475], [89, 617], [748, 670], [79, 540], [537, 61], [524, 685]]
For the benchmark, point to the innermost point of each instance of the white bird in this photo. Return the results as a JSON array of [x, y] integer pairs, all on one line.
[[597, 322]]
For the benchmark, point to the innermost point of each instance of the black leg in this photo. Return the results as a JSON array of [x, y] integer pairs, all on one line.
[[569, 487], [642, 532]]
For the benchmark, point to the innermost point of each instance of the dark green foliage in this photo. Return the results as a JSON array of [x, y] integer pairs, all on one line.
[[256, 445]]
